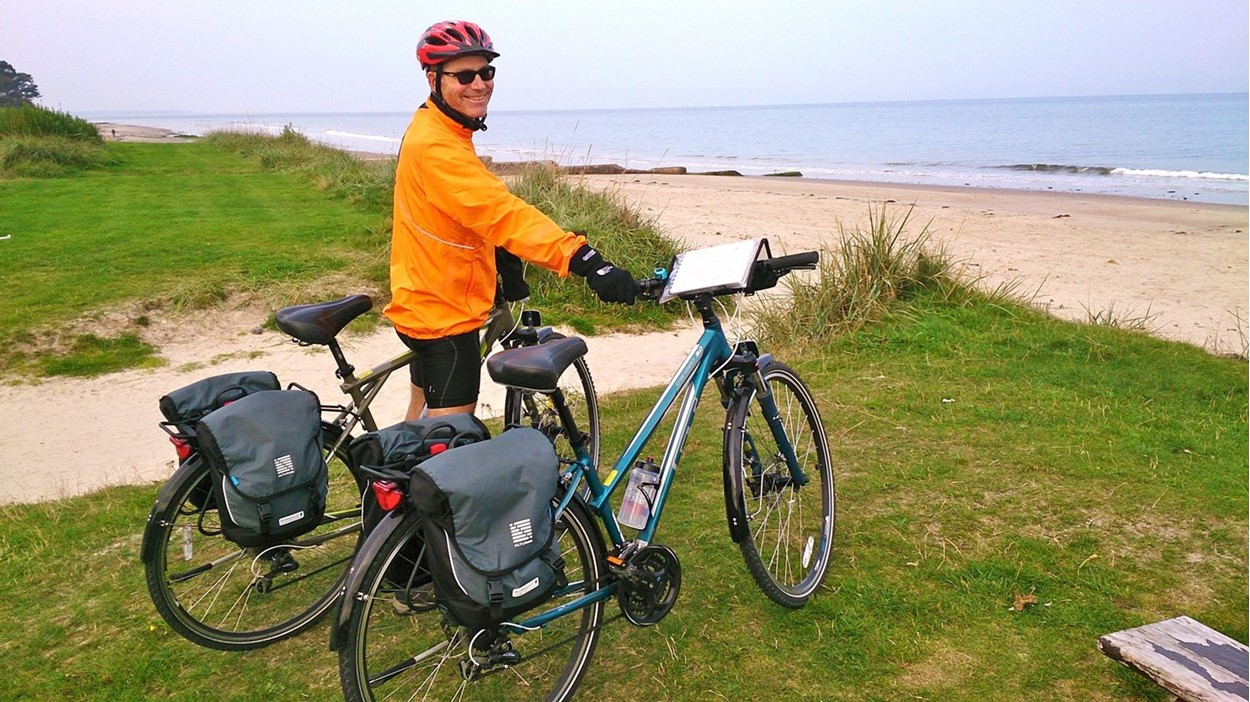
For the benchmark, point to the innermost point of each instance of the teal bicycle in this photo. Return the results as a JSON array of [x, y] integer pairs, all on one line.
[[779, 500]]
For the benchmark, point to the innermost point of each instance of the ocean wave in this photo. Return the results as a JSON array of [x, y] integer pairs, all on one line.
[[366, 137], [1110, 171], [1056, 168], [253, 127], [1156, 173]]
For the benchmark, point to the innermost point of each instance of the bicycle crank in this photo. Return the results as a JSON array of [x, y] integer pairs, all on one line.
[[650, 579]]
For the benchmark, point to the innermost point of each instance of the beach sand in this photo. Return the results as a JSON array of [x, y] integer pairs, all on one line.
[[1183, 264], [130, 132]]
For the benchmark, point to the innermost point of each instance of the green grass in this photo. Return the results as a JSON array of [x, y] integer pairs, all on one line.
[[982, 451], [36, 142], [279, 220], [619, 230], [366, 183], [32, 120], [170, 227], [625, 237], [90, 356]]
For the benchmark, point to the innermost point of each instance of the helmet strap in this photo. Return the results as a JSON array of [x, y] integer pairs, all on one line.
[[475, 124]]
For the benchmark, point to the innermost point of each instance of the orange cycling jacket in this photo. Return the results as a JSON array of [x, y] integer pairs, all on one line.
[[450, 213]]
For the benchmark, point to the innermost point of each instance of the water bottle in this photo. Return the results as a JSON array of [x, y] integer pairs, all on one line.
[[640, 492]]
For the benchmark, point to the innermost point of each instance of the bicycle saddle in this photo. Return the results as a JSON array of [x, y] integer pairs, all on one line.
[[535, 368], [319, 322]]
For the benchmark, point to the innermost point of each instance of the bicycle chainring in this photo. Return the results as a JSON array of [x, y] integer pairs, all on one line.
[[649, 584]]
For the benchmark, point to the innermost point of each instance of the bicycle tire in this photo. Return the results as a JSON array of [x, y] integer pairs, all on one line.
[[398, 651], [531, 409], [227, 602], [790, 528]]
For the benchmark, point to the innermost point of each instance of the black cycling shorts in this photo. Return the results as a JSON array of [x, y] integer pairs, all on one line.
[[449, 369]]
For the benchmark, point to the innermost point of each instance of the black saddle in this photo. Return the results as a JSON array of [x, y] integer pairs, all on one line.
[[320, 322], [535, 368]]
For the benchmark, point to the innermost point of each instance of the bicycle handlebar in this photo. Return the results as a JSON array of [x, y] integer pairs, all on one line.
[[765, 275], [784, 264]]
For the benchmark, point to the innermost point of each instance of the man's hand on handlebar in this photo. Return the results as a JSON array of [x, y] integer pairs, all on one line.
[[610, 283]]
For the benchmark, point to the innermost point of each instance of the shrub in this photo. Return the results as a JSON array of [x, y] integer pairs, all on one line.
[[31, 120], [857, 282], [366, 183], [49, 156]]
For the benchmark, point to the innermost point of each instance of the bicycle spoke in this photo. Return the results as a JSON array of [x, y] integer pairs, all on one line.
[[790, 540]]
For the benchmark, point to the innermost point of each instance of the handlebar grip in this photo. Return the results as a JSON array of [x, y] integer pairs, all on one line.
[[807, 259]]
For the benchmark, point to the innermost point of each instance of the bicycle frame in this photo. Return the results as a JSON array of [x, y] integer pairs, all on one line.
[[710, 357], [363, 388]]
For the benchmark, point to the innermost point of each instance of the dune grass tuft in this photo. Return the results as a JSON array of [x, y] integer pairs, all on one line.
[[368, 183], [32, 120], [617, 229], [36, 142], [860, 279]]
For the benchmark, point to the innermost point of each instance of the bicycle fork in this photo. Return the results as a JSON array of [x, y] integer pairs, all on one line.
[[758, 481]]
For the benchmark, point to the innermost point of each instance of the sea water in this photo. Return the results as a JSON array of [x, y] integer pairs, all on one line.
[[1182, 147]]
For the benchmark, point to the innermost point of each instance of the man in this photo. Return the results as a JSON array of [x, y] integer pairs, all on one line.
[[451, 215]]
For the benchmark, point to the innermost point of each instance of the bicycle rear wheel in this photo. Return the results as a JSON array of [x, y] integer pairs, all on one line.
[[791, 526], [536, 410], [222, 596], [399, 646]]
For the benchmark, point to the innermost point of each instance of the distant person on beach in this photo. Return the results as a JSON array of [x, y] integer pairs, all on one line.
[[457, 226]]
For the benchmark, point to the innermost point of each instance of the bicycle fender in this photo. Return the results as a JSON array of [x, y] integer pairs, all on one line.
[[354, 582], [735, 506], [187, 470]]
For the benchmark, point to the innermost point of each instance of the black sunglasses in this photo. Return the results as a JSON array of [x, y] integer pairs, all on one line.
[[466, 77]]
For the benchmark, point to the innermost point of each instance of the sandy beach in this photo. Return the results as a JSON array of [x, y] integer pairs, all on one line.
[[1181, 264], [1184, 265]]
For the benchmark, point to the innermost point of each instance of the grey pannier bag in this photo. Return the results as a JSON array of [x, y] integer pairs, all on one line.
[[187, 405], [408, 443], [488, 526], [269, 476]]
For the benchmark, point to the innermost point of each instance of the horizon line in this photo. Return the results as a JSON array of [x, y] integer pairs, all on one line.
[[672, 107]]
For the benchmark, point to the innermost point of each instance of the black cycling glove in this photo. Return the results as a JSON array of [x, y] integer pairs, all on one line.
[[512, 271], [610, 283]]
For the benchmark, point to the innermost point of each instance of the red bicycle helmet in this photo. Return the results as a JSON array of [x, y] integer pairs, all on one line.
[[445, 41]]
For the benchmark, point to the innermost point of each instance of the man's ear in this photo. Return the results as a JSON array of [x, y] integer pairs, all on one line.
[[431, 77]]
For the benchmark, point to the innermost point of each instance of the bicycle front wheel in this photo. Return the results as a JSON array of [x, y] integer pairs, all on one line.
[[790, 517], [399, 646], [536, 410], [223, 596]]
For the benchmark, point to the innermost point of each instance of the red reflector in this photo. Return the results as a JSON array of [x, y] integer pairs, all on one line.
[[388, 495], [182, 447], [436, 449]]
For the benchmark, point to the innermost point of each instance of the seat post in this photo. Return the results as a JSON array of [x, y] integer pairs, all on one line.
[[346, 371]]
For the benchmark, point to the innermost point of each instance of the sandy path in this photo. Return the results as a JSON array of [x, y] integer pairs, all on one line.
[[81, 435], [1186, 264]]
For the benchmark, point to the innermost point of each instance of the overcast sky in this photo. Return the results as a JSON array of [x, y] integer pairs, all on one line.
[[335, 56]]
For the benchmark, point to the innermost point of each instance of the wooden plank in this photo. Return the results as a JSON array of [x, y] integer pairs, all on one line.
[[1190, 660]]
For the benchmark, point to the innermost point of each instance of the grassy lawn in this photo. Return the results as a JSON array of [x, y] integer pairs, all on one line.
[[984, 453], [168, 225], [1010, 486], [164, 228]]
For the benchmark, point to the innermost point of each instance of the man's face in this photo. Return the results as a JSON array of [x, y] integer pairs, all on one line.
[[470, 100]]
